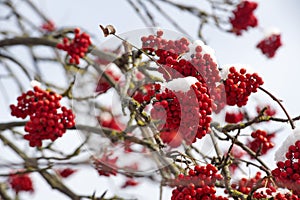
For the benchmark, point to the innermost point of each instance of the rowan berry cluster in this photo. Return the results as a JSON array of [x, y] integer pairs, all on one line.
[[263, 193], [172, 68], [106, 120], [269, 111], [146, 92], [21, 182], [246, 185], [48, 26], [156, 42], [262, 142], [234, 117], [46, 122], [285, 196], [206, 65], [103, 85], [179, 59], [287, 173], [181, 109], [243, 17], [239, 85], [272, 193], [130, 182], [77, 47], [66, 172], [106, 166], [270, 45], [198, 184]]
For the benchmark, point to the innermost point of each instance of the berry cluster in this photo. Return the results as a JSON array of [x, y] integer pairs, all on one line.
[[76, 48], [287, 173], [103, 85], [198, 184], [21, 182], [48, 26], [105, 165], [45, 120], [172, 68], [239, 85], [234, 117], [202, 59], [246, 185], [262, 142], [269, 111], [285, 196], [271, 193], [130, 182], [146, 92], [179, 59], [156, 42], [263, 193], [107, 120], [269, 45], [243, 17], [66, 172], [264, 189], [186, 113]]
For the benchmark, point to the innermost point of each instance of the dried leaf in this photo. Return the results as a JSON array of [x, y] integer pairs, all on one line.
[[108, 30]]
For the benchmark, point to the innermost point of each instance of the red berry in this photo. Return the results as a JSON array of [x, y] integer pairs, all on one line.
[[21, 182], [76, 48], [43, 117], [243, 17], [270, 45]]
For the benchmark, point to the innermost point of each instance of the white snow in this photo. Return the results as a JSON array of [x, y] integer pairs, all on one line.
[[180, 84], [290, 140]]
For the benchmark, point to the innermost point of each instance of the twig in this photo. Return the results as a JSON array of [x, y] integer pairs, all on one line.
[[280, 104]]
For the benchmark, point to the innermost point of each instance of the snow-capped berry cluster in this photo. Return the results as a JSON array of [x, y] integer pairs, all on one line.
[[46, 122], [77, 47], [243, 17], [270, 111], [287, 173], [263, 193], [239, 85], [48, 26], [172, 68], [264, 189], [20, 182], [202, 58], [179, 59], [272, 193], [107, 120], [198, 184], [285, 196], [106, 166], [262, 142], [66, 172], [270, 45], [234, 117], [186, 114]]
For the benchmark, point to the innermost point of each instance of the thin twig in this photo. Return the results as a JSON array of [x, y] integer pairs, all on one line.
[[280, 104]]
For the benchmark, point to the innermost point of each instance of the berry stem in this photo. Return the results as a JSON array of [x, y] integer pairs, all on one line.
[[280, 104]]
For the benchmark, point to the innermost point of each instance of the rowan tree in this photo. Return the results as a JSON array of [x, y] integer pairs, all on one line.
[[152, 106]]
